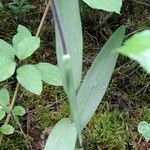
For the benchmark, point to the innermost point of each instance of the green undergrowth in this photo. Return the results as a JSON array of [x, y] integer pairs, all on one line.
[[126, 103]]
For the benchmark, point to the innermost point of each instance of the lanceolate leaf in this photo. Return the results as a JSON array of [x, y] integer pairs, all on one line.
[[72, 33], [62, 137], [138, 48], [49, 73], [28, 76], [96, 81], [108, 5], [7, 64]]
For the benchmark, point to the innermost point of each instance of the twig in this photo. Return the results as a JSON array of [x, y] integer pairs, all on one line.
[[17, 86], [43, 18]]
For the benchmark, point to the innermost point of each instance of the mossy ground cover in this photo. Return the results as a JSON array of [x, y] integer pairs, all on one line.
[[126, 103]]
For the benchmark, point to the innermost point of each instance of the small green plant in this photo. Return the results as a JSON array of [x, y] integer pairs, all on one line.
[[138, 48], [20, 6], [30, 76], [5, 109]]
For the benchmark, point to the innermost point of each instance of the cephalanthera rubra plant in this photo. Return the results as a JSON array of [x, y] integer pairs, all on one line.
[[84, 97]]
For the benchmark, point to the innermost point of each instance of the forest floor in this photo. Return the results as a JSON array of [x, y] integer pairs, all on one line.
[[126, 103]]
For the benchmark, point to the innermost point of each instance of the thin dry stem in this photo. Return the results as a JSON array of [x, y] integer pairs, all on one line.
[[43, 18]]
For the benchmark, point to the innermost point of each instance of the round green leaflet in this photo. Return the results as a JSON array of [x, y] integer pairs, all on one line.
[[18, 111], [7, 129]]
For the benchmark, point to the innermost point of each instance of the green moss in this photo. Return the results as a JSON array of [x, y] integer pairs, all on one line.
[[17, 143], [46, 117], [48, 108], [108, 130], [145, 113]]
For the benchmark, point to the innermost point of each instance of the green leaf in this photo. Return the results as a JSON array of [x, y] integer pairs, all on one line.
[[27, 47], [13, 8], [24, 43], [7, 129], [108, 5], [71, 27], [22, 33], [138, 48], [27, 8], [49, 73], [6, 50], [18, 111], [7, 70], [28, 76], [70, 40], [62, 137], [4, 99], [7, 64], [144, 129], [97, 79], [2, 113]]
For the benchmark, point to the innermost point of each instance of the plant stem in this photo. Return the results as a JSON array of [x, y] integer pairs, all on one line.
[[69, 85], [11, 107], [43, 18], [17, 86], [59, 27]]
